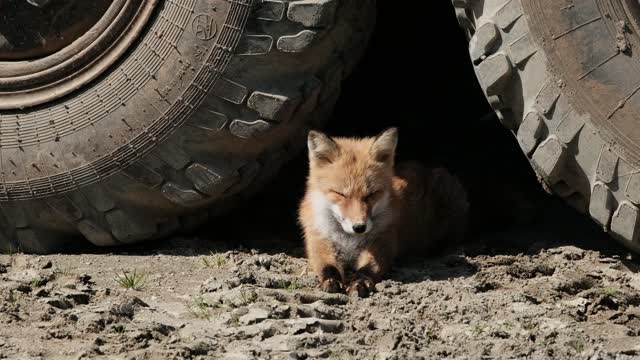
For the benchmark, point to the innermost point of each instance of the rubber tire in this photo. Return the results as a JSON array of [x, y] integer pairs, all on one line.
[[554, 75], [212, 147]]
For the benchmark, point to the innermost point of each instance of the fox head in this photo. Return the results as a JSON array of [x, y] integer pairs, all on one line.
[[350, 181]]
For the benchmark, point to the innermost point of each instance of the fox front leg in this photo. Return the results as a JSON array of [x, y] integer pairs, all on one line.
[[372, 265], [331, 280], [324, 263]]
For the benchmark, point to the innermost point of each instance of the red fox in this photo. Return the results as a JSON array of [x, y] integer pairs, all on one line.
[[361, 210]]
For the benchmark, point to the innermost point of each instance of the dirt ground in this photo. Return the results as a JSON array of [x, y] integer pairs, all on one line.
[[554, 289], [557, 288]]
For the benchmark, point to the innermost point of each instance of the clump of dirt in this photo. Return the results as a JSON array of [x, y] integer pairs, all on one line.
[[511, 295]]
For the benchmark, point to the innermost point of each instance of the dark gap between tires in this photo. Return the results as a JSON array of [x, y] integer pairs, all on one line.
[[417, 75]]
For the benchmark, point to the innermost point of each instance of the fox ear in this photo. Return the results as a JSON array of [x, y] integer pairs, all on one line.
[[383, 149], [321, 147]]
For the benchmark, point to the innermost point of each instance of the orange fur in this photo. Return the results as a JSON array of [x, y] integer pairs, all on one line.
[[361, 211]]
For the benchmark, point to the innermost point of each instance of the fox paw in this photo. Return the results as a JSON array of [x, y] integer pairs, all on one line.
[[331, 286], [361, 288]]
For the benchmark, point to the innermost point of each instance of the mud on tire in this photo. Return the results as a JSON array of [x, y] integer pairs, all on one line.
[[203, 107], [563, 76]]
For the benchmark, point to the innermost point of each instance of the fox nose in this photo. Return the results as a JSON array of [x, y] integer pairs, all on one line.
[[359, 228]]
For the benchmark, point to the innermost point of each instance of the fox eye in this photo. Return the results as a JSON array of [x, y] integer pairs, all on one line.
[[337, 193], [371, 195]]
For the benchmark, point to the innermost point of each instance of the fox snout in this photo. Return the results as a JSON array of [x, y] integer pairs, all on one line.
[[354, 217]]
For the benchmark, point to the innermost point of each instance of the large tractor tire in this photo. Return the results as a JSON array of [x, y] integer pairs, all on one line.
[[164, 113], [564, 76]]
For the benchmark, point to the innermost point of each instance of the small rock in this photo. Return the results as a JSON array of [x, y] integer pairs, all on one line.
[[572, 253], [485, 285], [256, 314], [265, 262], [281, 311], [69, 285], [3, 269], [62, 304], [140, 335], [501, 334], [77, 297], [85, 279], [59, 334], [381, 286], [240, 311], [240, 280], [127, 308], [211, 285], [47, 265], [608, 260], [41, 293], [577, 302], [24, 288]]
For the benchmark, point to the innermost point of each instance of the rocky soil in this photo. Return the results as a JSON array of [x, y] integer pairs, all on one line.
[[555, 289]]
